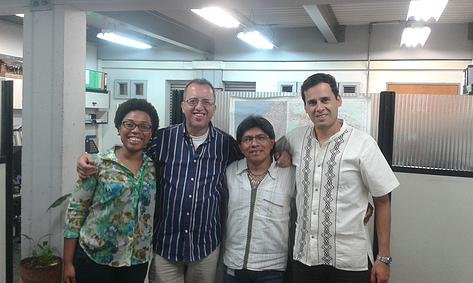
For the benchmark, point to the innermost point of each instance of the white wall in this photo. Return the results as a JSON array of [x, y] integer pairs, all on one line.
[[91, 56], [432, 229], [11, 39]]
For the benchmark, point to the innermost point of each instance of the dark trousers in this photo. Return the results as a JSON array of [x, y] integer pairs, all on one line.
[[302, 273], [250, 276], [88, 271]]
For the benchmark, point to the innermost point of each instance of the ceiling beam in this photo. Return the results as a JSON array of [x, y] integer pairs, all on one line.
[[325, 20], [155, 25]]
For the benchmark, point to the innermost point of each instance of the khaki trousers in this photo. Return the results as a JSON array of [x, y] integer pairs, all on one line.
[[202, 271]]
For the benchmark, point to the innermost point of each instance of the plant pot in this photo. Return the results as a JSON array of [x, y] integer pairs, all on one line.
[[50, 274]]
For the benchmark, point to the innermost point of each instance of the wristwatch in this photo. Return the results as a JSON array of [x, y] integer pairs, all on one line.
[[385, 259]]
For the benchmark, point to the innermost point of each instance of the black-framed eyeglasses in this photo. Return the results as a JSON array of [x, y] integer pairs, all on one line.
[[130, 125], [194, 101], [259, 139]]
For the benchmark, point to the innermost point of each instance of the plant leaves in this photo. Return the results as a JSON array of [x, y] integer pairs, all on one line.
[[59, 201], [28, 237]]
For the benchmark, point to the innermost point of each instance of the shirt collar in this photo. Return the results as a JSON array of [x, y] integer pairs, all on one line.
[[184, 133], [110, 155], [342, 129], [337, 134], [242, 168]]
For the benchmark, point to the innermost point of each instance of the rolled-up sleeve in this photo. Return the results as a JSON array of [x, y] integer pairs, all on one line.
[[78, 208]]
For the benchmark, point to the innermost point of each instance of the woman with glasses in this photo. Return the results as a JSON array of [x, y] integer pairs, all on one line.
[[259, 197], [109, 221]]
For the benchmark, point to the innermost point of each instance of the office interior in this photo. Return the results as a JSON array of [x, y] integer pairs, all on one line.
[[47, 52]]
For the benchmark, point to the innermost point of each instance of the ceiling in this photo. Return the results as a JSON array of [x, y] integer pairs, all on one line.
[[287, 14], [172, 20]]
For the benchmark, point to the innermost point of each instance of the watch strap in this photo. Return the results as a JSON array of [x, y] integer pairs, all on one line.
[[385, 259]]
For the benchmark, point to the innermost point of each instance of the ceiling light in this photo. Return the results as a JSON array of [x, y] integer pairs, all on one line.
[[217, 16], [20, 15], [414, 36], [110, 36], [424, 10], [255, 39]]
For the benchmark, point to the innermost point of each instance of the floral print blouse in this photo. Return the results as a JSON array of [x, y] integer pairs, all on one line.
[[112, 213]]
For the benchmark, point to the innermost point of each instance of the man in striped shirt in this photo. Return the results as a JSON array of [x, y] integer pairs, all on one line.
[[193, 157]]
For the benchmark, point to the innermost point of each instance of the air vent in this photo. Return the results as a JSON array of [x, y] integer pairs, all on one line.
[[287, 86], [349, 88]]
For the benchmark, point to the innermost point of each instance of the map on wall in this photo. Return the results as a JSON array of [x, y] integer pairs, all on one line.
[[287, 113]]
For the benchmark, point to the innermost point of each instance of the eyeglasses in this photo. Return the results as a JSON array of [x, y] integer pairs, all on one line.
[[131, 125], [259, 139], [194, 101]]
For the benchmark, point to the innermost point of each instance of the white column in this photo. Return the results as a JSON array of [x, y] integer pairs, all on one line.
[[53, 115]]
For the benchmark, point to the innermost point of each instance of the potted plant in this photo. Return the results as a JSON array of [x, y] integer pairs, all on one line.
[[43, 265]]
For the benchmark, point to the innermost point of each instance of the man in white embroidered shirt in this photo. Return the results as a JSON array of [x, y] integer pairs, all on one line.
[[338, 167]]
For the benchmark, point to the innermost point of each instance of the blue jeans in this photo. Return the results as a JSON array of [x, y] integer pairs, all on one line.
[[250, 276]]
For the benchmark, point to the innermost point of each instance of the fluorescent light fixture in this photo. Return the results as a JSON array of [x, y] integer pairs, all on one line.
[[217, 16], [255, 39], [414, 36], [110, 36], [20, 15], [424, 10]]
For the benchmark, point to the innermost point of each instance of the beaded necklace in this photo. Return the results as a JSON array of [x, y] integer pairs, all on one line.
[[255, 180]]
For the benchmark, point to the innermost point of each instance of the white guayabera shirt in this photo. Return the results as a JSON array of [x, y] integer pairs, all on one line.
[[333, 181]]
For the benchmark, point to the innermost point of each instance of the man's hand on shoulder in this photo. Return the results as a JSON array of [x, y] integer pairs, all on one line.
[[368, 213], [283, 159], [86, 166]]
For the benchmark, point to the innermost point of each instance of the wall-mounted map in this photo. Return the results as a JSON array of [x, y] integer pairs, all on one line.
[[287, 113]]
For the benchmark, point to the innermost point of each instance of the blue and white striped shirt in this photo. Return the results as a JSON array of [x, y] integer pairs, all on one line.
[[188, 208]]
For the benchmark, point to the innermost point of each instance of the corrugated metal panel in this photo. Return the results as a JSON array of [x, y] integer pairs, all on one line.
[[239, 86], [281, 17], [457, 11], [364, 13], [176, 93], [177, 85], [356, 13], [434, 131]]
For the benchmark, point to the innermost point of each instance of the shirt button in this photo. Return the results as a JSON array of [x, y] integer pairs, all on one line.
[[190, 196], [314, 213], [318, 165], [187, 213], [312, 236], [195, 161], [192, 179], [186, 231]]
